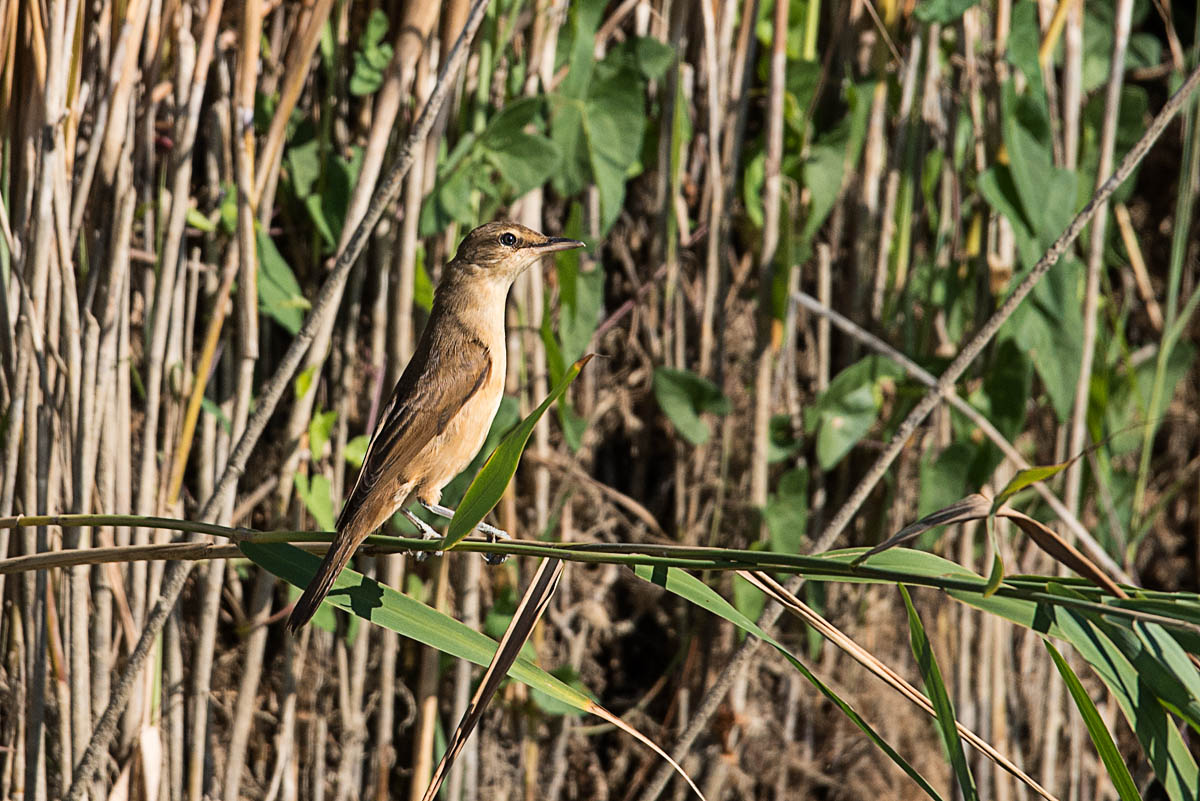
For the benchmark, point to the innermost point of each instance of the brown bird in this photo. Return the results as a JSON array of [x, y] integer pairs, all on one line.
[[443, 404]]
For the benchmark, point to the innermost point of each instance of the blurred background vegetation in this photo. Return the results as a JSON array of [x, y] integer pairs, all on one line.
[[177, 178]]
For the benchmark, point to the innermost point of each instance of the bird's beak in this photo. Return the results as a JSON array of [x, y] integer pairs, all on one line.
[[556, 243]]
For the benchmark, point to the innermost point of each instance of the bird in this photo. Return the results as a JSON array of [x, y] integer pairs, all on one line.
[[443, 404]]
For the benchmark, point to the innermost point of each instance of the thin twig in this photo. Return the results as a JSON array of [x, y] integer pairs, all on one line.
[[989, 329], [1095, 550]]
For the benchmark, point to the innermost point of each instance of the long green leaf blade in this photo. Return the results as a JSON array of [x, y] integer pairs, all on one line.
[[489, 485], [378, 603], [1169, 756], [691, 589], [935, 688], [1117, 771]]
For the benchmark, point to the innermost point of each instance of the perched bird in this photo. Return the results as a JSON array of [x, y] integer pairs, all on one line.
[[442, 406]]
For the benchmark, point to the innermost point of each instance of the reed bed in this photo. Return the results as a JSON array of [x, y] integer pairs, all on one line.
[[848, 263]]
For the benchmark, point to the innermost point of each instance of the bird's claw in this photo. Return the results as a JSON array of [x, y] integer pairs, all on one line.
[[493, 535], [489, 531], [427, 533]]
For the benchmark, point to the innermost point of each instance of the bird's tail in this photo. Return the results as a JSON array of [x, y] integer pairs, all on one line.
[[336, 557]]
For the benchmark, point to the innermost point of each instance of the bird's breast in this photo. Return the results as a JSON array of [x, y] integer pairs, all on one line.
[[449, 453]]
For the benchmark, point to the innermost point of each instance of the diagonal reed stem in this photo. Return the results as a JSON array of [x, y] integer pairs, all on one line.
[[973, 348]]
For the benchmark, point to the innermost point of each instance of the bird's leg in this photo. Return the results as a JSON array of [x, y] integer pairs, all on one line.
[[425, 530], [491, 532]]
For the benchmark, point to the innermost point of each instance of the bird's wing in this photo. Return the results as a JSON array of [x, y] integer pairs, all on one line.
[[439, 380]]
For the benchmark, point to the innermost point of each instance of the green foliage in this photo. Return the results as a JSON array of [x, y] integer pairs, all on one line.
[[372, 56], [487, 488], [1143, 49], [550, 704], [321, 182], [303, 381], [580, 305], [684, 396], [968, 461], [693, 590], [380, 604], [747, 599], [944, 479], [356, 450], [317, 495], [935, 688], [325, 619], [279, 295], [1049, 327], [319, 429], [598, 118], [943, 11], [848, 409], [210, 407], [1133, 687], [782, 444], [1107, 749], [507, 417], [786, 513], [422, 284], [504, 161]]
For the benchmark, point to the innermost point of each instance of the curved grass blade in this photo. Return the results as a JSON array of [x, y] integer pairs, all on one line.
[[936, 689], [1117, 771], [1161, 741], [404, 615], [795, 606], [1027, 478], [407, 616], [978, 507], [533, 604], [996, 576], [971, 507], [692, 589], [491, 481]]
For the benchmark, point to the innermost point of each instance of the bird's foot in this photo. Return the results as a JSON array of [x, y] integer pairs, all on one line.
[[426, 531], [492, 533]]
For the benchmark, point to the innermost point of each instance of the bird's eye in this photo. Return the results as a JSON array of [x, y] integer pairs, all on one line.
[[509, 240]]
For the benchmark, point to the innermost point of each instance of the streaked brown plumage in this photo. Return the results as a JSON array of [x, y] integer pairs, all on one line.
[[443, 404]]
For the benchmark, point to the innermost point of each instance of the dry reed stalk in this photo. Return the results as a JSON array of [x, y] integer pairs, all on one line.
[[715, 192], [299, 64], [301, 411], [191, 82], [874, 161], [250, 38], [896, 160], [965, 409], [769, 332], [771, 612], [1138, 265], [354, 719], [1078, 428], [426, 694], [174, 708], [122, 73], [1095, 258], [247, 695], [1072, 89], [174, 578]]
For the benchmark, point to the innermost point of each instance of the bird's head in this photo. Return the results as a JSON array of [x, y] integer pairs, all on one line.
[[502, 250]]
